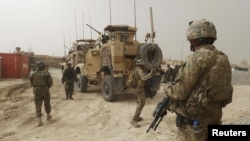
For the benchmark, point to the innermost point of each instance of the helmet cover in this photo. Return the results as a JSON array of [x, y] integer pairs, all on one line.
[[201, 29]]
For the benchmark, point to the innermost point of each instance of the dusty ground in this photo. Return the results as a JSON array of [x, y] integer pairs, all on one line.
[[90, 118]]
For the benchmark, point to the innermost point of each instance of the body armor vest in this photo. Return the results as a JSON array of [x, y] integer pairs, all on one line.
[[39, 79]]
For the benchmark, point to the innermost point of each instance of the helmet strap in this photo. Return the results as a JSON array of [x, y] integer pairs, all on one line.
[[200, 41], [192, 48], [194, 43]]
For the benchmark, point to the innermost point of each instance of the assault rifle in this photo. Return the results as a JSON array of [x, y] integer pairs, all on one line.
[[104, 39], [94, 29], [159, 112]]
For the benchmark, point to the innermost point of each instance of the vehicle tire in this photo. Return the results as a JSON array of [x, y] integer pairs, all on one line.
[[82, 83], [151, 55], [107, 88]]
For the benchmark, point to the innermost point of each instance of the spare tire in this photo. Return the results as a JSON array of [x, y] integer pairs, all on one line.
[[151, 55]]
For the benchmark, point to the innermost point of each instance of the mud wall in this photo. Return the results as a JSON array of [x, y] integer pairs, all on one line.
[[52, 61]]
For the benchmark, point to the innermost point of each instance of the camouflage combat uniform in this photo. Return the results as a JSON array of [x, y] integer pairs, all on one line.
[[192, 79], [141, 77], [41, 81], [68, 79]]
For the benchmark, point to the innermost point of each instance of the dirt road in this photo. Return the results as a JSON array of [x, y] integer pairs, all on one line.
[[89, 118]]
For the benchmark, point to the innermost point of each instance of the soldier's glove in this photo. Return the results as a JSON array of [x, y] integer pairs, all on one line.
[[153, 70]]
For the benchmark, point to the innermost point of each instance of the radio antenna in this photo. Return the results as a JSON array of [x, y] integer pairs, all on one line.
[[76, 25], [110, 12], [152, 34], [135, 17]]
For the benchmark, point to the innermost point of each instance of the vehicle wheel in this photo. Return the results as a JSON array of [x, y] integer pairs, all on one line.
[[151, 55], [82, 83], [108, 88]]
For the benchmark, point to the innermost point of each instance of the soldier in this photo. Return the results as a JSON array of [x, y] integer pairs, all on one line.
[[68, 79], [141, 77], [170, 74], [198, 95], [41, 81], [175, 70]]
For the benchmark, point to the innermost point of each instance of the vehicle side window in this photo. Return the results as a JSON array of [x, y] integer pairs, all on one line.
[[113, 37], [124, 38]]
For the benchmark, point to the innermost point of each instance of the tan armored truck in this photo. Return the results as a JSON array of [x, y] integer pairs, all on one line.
[[77, 53], [110, 62]]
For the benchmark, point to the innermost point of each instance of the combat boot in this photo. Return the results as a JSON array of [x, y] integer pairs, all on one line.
[[136, 116], [40, 123], [138, 119], [49, 117], [135, 124], [71, 98]]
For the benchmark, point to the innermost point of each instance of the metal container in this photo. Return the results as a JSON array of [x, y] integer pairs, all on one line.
[[14, 65], [0, 67]]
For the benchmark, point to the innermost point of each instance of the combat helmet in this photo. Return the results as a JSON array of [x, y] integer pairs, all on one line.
[[40, 65], [69, 64], [201, 29]]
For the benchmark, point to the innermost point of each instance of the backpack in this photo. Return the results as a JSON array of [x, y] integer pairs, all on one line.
[[217, 87], [132, 79], [220, 80]]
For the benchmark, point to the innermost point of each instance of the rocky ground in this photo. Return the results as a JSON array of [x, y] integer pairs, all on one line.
[[89, 118]]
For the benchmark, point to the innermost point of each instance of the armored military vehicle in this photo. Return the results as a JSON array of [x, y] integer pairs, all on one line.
[[109, 63], [77, 53]]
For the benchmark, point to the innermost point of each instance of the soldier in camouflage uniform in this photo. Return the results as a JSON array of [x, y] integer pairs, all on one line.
[[41, 81], [141, 77], [202, 86], [170, 74], [68, 79]]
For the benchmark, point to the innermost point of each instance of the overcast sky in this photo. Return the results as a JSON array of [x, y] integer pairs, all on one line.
[[42, 26]]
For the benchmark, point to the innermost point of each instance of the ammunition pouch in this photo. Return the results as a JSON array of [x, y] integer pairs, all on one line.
[[149, 93], [179, 120]]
